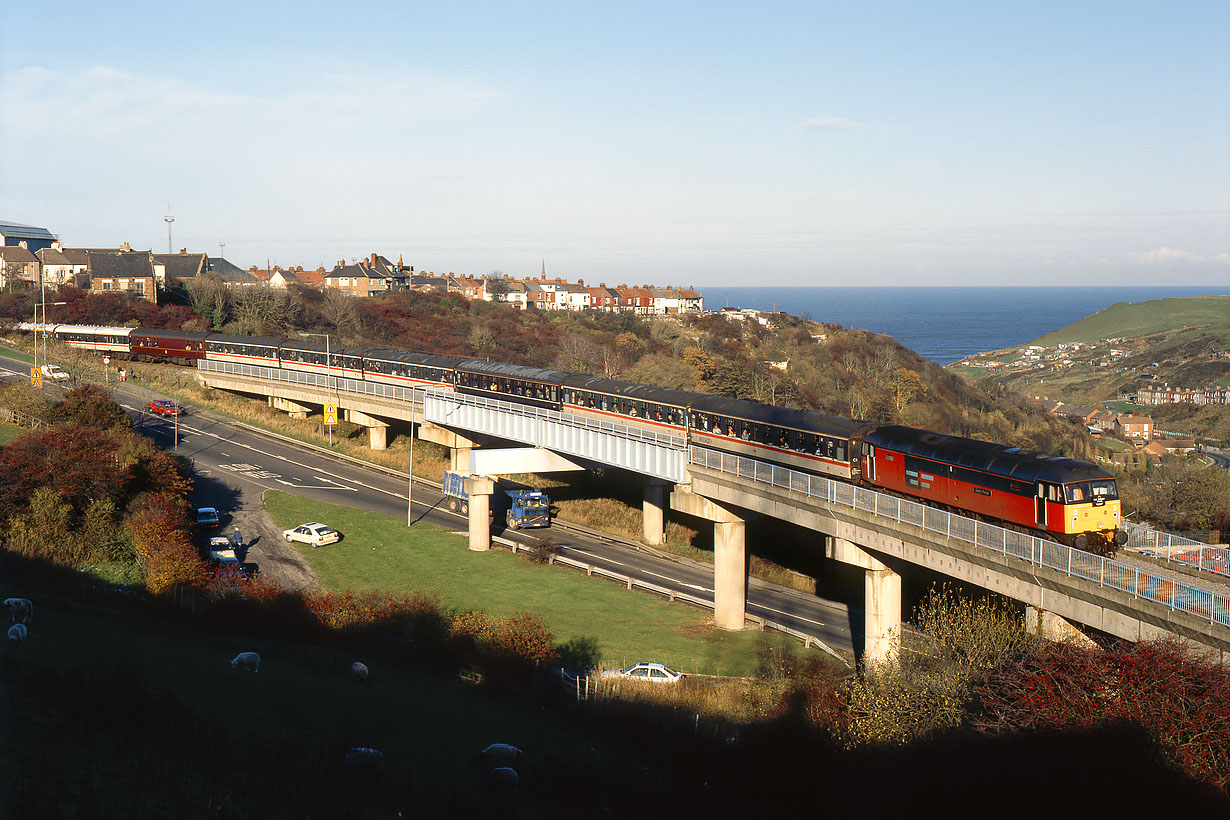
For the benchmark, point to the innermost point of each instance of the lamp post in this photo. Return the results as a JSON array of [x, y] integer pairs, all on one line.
[[410, 477], [329, 382], [37, 327]]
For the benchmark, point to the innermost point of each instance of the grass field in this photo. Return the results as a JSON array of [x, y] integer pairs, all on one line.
[[378, 552], [10, 433], [1141, 319]]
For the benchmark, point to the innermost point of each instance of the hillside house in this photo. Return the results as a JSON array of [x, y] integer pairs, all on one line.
[[125, 271], [1135, 428]]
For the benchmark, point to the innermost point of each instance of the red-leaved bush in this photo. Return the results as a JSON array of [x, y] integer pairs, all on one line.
[[1182, 700]]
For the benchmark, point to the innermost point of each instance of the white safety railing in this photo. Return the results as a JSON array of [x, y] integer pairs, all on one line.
[[416, 394], [1169, 592], [1180, 550]]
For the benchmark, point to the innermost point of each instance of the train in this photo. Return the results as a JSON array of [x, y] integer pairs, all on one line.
[[1067, 500]]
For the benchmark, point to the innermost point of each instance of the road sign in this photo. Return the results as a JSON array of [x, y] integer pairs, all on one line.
[[106, 360], [330, 414], [36, 377]]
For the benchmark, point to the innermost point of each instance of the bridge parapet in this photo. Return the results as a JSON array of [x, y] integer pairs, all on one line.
[[941, 532], [640, 451]]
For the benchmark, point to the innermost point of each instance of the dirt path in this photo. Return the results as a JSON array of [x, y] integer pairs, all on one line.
[[277, 559]]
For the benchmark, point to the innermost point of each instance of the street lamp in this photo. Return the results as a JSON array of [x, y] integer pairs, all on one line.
[[43, 327], [329, 382]]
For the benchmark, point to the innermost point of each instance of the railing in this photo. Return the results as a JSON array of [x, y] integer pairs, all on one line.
[[416, 395], [1175, 594], [1178, 549], [21, 419]]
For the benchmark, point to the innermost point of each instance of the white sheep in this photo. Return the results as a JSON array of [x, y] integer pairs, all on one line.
[[364, 757], [17, 634], [20, 609], [499, 755], [503, 777], [247, 660], [360, 671]]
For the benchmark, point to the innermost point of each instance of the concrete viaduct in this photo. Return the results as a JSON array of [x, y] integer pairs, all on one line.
[[860, 527]]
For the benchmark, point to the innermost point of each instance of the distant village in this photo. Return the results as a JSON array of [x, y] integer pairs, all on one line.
[[34, 257], [1104, 353]]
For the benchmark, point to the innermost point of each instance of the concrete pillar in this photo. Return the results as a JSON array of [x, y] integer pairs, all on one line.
[[653, 512], [882, 600], [882, 618], [729, 555], [459, 459], [729, 575], [1055, 628], [377, 430], [294, 408], [480, 489]]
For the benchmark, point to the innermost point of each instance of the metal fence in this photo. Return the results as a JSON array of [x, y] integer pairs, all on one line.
[[1178, 549], [1170, 592]]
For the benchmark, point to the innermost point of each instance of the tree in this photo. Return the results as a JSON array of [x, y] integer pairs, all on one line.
[[906, 386], [209, 297], [701, 362]]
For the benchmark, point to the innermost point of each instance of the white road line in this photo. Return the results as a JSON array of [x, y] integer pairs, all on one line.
[[787, 614], [595, 555], [289, 461], [335, 486]]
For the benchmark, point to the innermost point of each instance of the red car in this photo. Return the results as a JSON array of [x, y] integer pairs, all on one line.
[[164, 407]]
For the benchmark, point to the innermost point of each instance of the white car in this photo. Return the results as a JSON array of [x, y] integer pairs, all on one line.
[[652, 672], [316, 534], [54, 372]]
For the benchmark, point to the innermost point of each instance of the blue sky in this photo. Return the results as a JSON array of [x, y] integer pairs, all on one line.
[[672, 143]]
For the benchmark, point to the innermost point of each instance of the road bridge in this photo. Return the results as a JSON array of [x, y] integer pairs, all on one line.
[[876, 532]]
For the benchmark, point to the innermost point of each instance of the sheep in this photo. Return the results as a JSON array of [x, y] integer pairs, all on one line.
[[361, 757], [499, 755], [503, 778], [247, 660], [360, 671], [20, 609], [17, 634]]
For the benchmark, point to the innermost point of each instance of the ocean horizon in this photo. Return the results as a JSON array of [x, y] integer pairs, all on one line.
[[947, 323]]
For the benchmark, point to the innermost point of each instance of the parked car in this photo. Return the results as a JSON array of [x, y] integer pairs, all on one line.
[[164, 407], [652, 672], [316, 534], [207, 517], [55, 372]]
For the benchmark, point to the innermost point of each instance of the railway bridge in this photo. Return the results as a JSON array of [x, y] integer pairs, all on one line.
[[878, 533]]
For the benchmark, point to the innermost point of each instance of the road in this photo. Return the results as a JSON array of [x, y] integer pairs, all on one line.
[[234, 464]]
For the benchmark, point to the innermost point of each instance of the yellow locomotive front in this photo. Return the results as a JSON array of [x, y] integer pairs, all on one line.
[[1092, 516]]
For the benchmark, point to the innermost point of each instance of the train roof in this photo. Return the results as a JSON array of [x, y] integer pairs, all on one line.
[[321, 347], [426, 359], [231, 338], [632, 390], [94, 330], [512, 371], [997, 459], [194, 335], [779, 416]]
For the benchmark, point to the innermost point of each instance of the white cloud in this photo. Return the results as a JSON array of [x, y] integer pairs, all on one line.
[[1170, 257], [829, 124]]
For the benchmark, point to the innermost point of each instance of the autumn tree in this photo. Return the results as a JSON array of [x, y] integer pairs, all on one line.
[[907, 386]]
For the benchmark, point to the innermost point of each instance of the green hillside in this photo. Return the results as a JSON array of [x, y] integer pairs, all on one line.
[[1209, 314]]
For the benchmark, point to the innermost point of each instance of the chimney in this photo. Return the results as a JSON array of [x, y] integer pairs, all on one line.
[[373, 260], [23, 245], [183, 250], [125, 247], [581, 282]]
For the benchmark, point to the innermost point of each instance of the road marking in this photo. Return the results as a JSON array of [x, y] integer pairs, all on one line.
[[596, 556], [335, 486], [787, 614]]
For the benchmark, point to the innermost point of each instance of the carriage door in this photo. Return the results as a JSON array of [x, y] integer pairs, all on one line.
[[869, 462], [1040, 515]]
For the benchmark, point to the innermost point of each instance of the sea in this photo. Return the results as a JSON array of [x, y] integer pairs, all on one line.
[[946, 323]]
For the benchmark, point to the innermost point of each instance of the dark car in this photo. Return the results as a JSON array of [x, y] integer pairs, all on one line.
[[164, 407]]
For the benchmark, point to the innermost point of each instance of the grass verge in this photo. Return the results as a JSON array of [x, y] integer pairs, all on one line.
[[617, 626]]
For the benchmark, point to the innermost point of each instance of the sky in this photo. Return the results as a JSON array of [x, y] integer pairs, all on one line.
[[704, 144]]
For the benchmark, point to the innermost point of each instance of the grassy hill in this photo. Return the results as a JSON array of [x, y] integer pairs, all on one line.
[[1207, 315]]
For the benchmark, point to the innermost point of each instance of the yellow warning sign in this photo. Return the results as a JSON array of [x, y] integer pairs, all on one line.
[[36, 377], [330, 414]]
